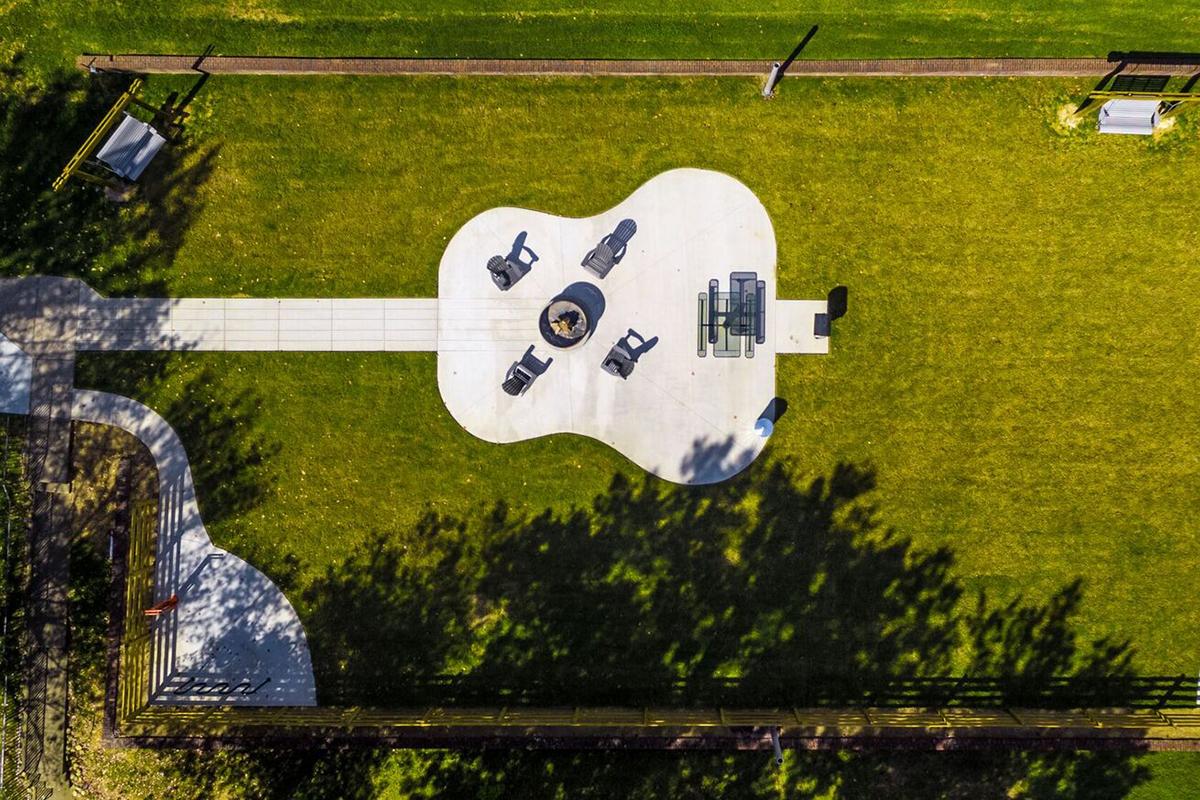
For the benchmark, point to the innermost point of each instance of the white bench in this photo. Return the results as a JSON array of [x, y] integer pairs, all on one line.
[[1130, 117], [131, 148]]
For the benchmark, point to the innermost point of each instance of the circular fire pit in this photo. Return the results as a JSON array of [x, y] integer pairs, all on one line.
[[564, 323], [569, 319]]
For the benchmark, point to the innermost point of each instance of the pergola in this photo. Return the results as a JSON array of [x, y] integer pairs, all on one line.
[[122, 146], [1131, 96]]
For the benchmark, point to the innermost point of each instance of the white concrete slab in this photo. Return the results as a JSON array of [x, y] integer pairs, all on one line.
[[794, 331], [233, 638], [410, 324], [260, 325], [685, 418], [16, 374]]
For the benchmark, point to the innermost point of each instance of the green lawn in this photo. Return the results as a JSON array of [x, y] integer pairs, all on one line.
[[635, 775], [56, 30], [1013, 382], [1175, 775], [1012, 389]]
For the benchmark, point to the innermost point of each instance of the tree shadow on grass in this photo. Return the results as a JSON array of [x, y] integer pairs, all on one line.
[[980, 775], [228, 453], [649, 596], [227, 450], [763, 590], [76, 232], [655, 592], [345, 773], [419, 597]]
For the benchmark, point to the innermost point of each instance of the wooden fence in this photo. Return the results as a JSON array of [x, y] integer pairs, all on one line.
[[1157, 713]]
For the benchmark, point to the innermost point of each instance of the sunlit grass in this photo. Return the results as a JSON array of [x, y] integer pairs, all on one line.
[[56, 30], [1018, 362]]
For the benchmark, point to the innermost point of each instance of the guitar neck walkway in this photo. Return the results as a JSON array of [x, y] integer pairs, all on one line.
[[653, 327]]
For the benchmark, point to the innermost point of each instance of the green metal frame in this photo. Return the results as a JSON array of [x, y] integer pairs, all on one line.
[[74, 167], [1174, 102]]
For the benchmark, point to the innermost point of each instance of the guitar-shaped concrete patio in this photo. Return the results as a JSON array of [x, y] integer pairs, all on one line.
[[693, 402]]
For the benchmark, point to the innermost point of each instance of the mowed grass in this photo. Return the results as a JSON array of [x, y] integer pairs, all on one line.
[[1018, 361], [56, 30], [1174, 775]]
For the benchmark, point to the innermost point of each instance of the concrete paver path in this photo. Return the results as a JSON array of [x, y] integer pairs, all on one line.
[[844, 67], [256, 324], [233, 638]]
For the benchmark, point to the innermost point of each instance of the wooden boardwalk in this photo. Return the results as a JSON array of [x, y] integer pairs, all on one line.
[[911, 67], [38, 315]]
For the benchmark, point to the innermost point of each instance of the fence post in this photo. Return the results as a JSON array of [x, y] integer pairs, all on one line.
[[776, 746], [772, 79], [777, 69]]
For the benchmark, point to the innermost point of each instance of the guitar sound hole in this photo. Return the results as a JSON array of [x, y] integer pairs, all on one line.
[[571, 317], [564, 323]]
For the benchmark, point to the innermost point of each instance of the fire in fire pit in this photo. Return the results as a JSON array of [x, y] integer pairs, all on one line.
[[570, 318], [567, 320]]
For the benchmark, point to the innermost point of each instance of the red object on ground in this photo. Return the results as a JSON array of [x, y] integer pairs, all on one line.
[[164, 606]]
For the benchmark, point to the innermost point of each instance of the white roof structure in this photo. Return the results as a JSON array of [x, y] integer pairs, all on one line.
[[131, 148], [1129, 117]]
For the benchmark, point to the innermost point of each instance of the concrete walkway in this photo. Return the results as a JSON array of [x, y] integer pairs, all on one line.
[[898, 67], [251, 324], [37, 355], [234, 638], [685, 416]]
